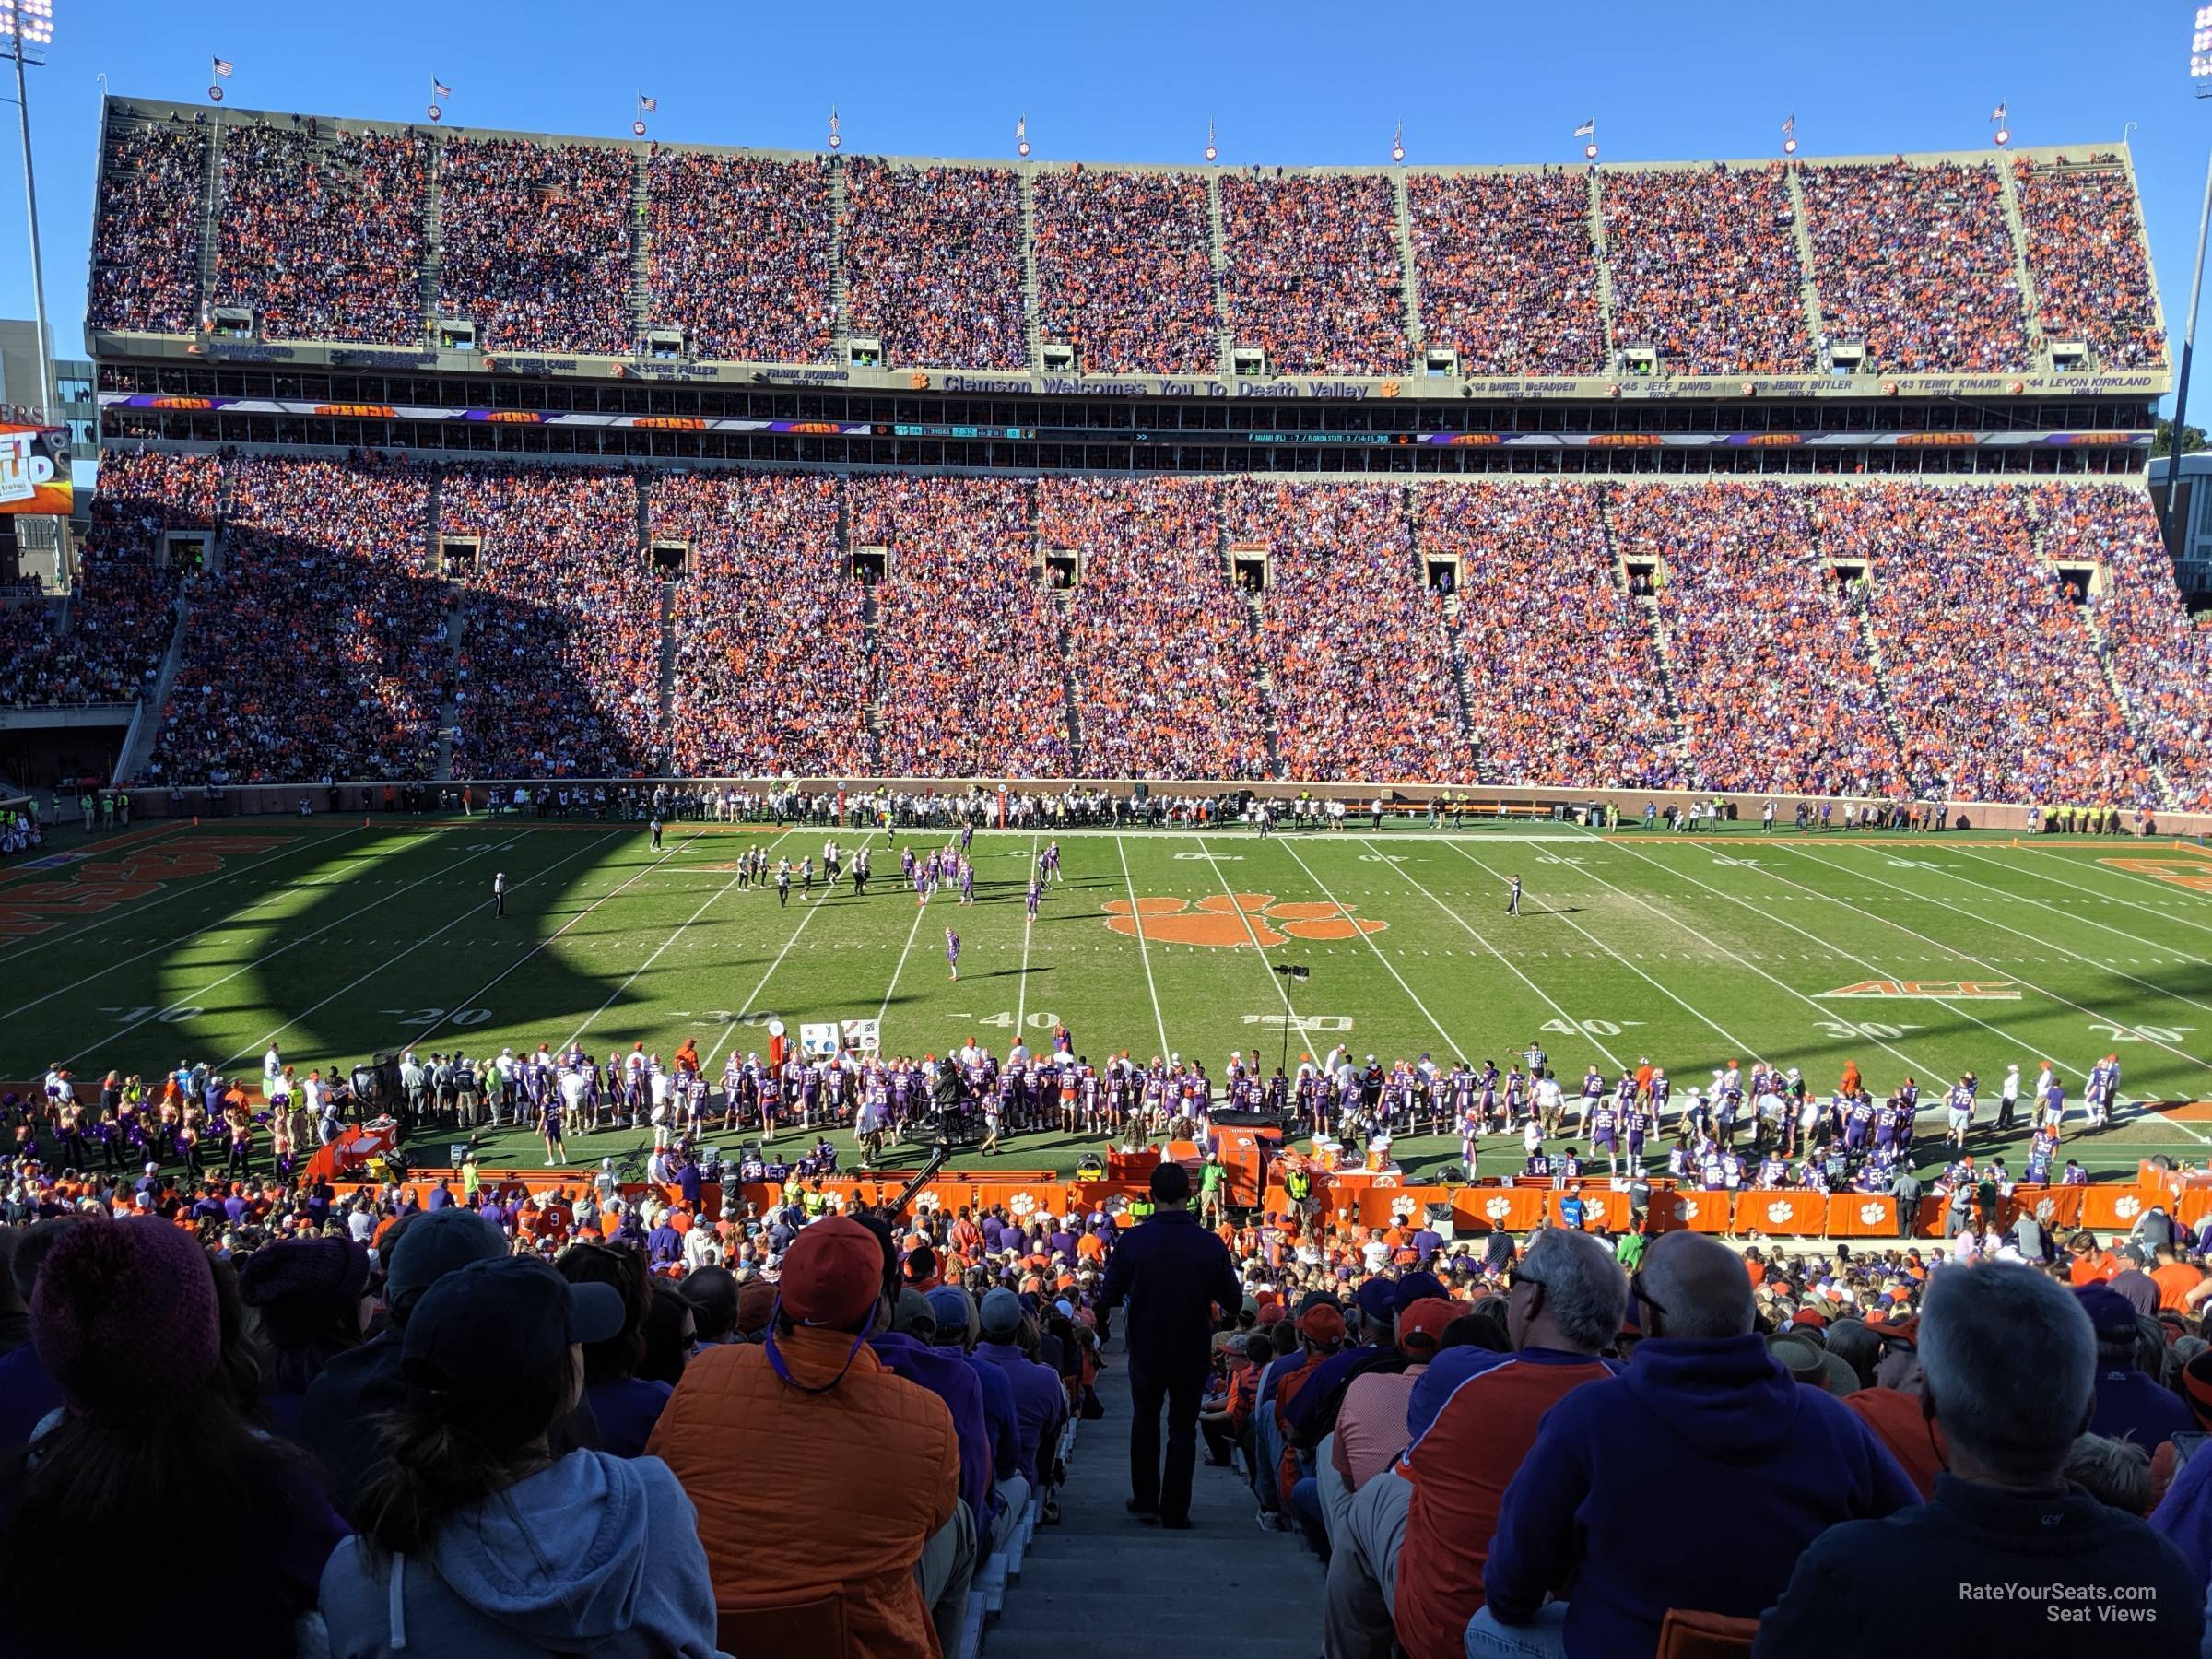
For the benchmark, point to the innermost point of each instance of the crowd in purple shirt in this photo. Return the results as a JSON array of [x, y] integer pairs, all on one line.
[[1125, 270], [771, 664], [742, 249]]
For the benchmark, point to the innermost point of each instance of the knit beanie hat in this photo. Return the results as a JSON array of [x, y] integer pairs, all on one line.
[[314, 1269], [119, 1302]]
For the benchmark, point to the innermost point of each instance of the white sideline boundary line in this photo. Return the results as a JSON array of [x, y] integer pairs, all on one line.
[[1733, 1041], [1144, 951], [2063, 915], [417, 944], [265, 957], [1986, 967], [752, 1002], [131, 912], [1305, 1039], [659, 950], [1459, 1049], [1513, 967]]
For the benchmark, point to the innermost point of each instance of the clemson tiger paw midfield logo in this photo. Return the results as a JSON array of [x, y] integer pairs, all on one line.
[[1234, 921]]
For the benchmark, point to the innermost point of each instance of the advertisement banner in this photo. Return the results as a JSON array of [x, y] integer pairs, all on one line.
[[34, 470]]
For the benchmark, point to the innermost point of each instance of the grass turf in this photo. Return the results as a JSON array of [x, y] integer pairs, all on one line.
[[336, 938]]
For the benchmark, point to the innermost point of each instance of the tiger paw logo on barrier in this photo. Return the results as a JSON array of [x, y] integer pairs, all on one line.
[[1593, 1211], [1234, 921], [1686, 1210], [2046, 1209], [1022, 1205], [1497, 1209], [1401, 1209], [2127, 1208], [1872, 1215], [1780, 1212]]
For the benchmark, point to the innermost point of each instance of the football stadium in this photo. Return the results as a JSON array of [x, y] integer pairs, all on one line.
[[693, 832]]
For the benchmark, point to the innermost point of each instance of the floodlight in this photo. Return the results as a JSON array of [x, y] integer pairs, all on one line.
[[2200, 44], [29, 20]]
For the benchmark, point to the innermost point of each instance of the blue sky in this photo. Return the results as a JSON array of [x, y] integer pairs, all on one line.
[[1289, 82]]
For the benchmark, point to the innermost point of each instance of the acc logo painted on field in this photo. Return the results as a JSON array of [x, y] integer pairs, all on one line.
[[2126, 1209], [1022, 1205], [1497, 1209], [1233, 922], [1872, 1215]]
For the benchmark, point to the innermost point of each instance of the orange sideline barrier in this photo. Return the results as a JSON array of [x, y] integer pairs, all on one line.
[[1695, 1212], [1776, 1210], [2054, 1206], [1861, 1216], [2116, 1207]]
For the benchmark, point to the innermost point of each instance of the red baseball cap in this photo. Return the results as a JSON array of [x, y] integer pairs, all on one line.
[[1422, 1321], [832, 1274], [1809, 1316], [1322, 1325]]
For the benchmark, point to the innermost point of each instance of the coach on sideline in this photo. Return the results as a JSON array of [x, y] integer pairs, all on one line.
[[1171, 1272]]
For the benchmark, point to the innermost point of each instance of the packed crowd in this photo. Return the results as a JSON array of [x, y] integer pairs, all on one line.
[[2084, 229], [971, 649], [1535, 565], [125, 609], [1992, 679], [1125, 270], [324, 240], [560, 640], [771, 658], [534, 244], [318, 649], [1311, 271], [146, 237], [1917, 263], [1163, 658], [1705, 270], [1356, 644], [1506, 272], [742, 252], [1768, 666], [2159, 655], [934, 263]]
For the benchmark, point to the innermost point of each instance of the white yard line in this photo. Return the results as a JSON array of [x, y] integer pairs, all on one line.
[[752, 1003], [1305, 1040], [1021, 988], [1144, 951], [1989, 968], [186, 1001], [2126, 876], [2008, 895], [474, 911], [1511, 966], [1721, 1032], [899, 966], [191, 886], [1742, 962], [1459, 1049]]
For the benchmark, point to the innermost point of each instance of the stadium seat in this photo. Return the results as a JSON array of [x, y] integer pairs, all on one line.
[[815, 1627], [1685, 1634]]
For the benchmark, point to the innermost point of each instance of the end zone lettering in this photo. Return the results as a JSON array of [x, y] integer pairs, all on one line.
[[105, 883]]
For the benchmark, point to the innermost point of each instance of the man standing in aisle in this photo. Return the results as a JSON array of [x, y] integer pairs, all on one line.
[[499, 893], [1171, 1272]]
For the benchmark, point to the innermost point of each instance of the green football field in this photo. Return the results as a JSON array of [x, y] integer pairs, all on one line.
[[1918, 954]]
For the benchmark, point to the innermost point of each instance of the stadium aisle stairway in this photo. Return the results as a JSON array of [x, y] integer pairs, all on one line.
[[1224, 1590]]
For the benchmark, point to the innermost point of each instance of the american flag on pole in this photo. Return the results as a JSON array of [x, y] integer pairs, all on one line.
[[439, 89], [1997, 113], [646, 106], [1789, 127], [1587, 129], [223, 66]]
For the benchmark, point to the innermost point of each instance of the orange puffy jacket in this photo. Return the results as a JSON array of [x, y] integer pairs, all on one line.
[[774, 1472]]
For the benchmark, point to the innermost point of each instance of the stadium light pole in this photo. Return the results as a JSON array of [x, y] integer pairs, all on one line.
[[30, 23], [2200, 68]]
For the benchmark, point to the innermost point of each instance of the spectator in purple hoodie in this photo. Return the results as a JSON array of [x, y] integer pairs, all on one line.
[[1702, 1407]]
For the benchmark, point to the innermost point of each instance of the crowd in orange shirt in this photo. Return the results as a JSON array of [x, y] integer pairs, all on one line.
[[146, 237], [1125, 270], [318, 649], [1163, 654], [1312, 273], [1562, 671], [933, 263], [1917, 262], [324, 240], [1506, 273], [771, 663], [2085, 254], [560, 648], [1705, 270], [534, 244], [741, 256]]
